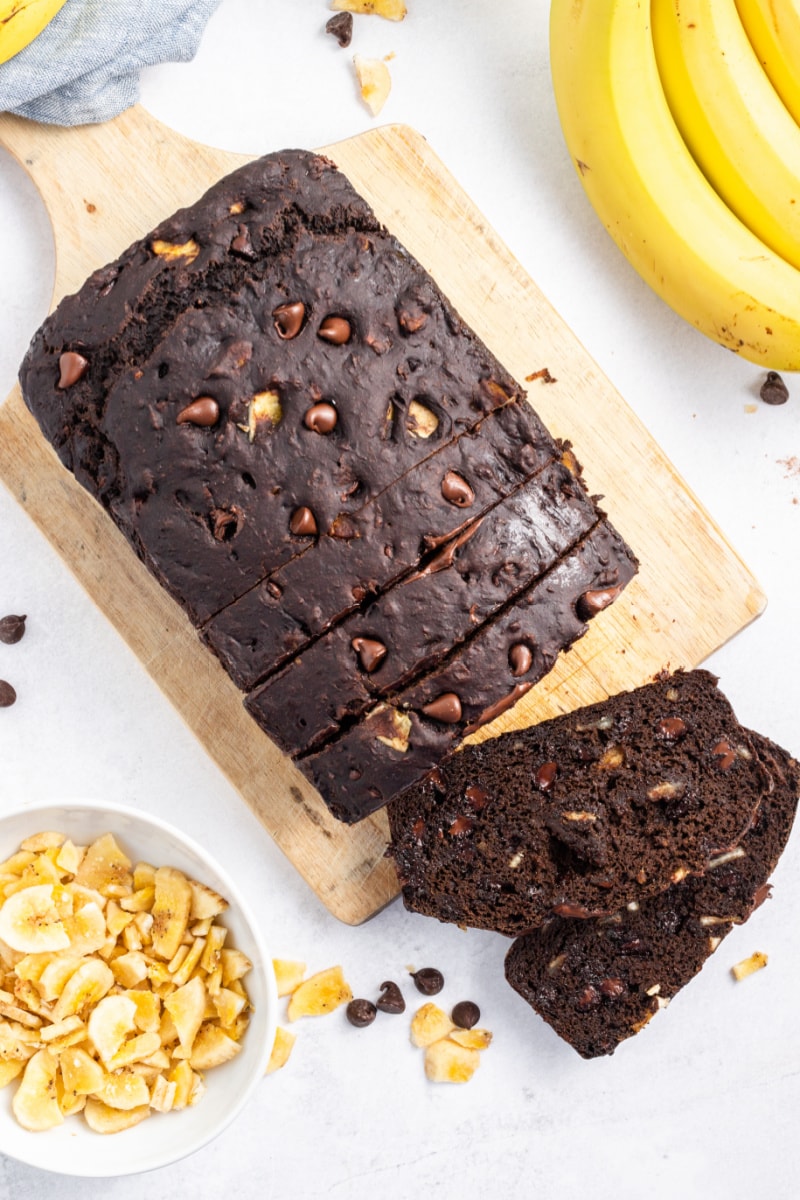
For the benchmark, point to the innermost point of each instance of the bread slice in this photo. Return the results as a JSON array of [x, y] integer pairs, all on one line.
[[600, 981], [397, 742], [583, 814]]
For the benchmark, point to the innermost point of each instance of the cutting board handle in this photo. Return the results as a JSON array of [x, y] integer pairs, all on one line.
[[97, 196]]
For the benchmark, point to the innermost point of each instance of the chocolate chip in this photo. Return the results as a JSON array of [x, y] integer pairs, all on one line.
[[370, 651], [460, 825], [7, 694], [428, 980], [773, 389], [588, 999], [726, 754], [476, 796], [445, 708], [204, 411], [12, 629], [634, 946], [288, 319], [520, 658], [341, 27], [303, 523], [335, 330], [593, 602], [242, 245], [391, 998], [672, 729], [545, 776], [321, 418], [465, 1014], [457, 491], [361, 1013], [73, 367], [612, 989]]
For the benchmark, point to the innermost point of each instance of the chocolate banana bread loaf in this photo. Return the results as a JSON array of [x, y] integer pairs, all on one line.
[[294, 429], [582, 814], [600, 981]]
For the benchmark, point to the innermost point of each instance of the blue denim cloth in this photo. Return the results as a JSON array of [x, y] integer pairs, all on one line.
[[84, 66]]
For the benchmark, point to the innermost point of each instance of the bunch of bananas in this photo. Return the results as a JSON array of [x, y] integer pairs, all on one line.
[[23, 20], [683, 121]]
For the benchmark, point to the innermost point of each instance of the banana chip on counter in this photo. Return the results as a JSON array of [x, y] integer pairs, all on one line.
[[117, 990]]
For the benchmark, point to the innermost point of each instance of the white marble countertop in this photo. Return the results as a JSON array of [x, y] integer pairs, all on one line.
[[705, 1101]]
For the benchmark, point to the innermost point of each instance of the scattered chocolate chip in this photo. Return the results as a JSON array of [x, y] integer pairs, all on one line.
[[288, 319], [460, 826], [593, 602], [12, 629], [456, 490], [391, 998], [545, 776], [335, 330], [370, 651], [7, 694], [611, 989], [204, 411], [588, 999], [417, 829], [445, 708], [341, 27], [73, 367], [672, 729], [303, 523], [465, 1014], [321, 418], [773, 389], [520, 658], [428, 980], [361, 1013]]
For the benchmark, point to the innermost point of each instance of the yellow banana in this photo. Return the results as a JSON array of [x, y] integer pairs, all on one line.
[[731, 118], [23, 20], [651, 195], [773, 27]]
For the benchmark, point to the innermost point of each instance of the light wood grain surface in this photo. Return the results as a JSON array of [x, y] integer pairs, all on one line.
[[105, 186]]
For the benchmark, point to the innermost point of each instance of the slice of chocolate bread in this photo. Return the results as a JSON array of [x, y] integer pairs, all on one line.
[[398, 742], [598, 982], [582, 814], [412, 627], [380, 543]]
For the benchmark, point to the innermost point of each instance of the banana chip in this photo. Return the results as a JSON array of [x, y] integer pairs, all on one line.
[[117, 990]]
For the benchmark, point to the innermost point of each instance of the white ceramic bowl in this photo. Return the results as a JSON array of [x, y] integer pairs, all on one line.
[[72, 1148]]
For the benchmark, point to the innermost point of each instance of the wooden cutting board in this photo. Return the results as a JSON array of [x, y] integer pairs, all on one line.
[[105, 186]]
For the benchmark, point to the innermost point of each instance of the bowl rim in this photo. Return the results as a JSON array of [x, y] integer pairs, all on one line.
[[236, 901]]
